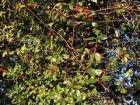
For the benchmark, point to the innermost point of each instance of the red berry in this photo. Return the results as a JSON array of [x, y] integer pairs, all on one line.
[[30, 6], [2, 69], [121, 56], [76, 10]]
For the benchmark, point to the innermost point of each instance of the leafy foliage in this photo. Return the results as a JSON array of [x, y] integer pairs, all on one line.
[[69, 52]]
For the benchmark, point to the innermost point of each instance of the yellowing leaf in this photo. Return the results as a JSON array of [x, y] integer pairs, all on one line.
[[23, 49], [97, 57], [125, 60], [97, 32], [19, 6], [128, 73], [126, 55], [123, 90], [71, 6], [1, 13]]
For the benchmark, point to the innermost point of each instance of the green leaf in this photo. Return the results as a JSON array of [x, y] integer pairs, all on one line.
[[94, 71], [106, 78], [63, 18], [89, 81], [102, 37], [71, 6], [123, 27], [92, 13], [90, 38], [94, 92], [91, 71], [91, 43], [91, 59], [79, 15], [97, 32], [55, 16], [120, 12]]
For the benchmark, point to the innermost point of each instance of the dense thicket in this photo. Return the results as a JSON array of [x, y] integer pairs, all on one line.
[[69, 52]]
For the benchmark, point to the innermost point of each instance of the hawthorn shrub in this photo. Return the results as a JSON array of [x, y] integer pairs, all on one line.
[[69, 52]]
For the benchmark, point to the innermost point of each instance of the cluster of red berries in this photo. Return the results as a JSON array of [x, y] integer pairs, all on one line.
[[85, 12]]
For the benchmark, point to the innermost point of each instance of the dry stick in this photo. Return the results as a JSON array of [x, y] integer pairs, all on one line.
[[73, 33], [68, 44]]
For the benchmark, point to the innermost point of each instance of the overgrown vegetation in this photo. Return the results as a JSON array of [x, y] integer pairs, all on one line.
[[69, 52]]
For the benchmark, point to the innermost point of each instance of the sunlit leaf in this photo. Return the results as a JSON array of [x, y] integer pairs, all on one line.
[[78, 93], [80, 3], [67, 82], [94, 24], [97, 57], [4, 53], [94, 1]]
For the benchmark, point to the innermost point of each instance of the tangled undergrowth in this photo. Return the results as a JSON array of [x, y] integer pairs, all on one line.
[[69, 52]]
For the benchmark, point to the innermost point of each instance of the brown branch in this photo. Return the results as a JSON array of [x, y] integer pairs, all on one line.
[[67, 44]]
